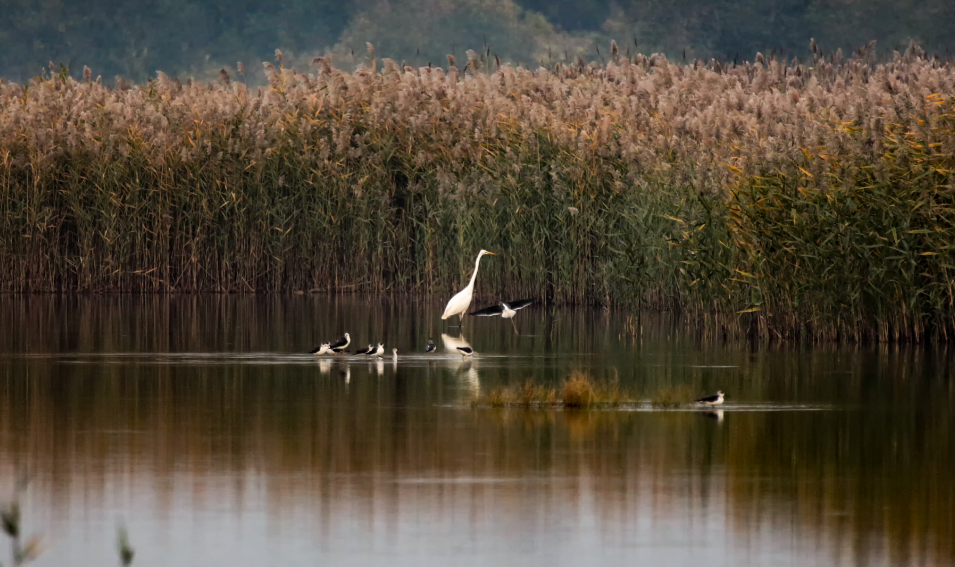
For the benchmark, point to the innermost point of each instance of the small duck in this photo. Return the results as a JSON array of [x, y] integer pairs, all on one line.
[[431, 346]]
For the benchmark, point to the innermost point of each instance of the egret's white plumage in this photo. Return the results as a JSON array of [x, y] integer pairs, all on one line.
[[459, 303]]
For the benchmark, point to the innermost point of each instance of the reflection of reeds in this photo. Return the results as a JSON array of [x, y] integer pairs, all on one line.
[[828, 479], [737, 188]]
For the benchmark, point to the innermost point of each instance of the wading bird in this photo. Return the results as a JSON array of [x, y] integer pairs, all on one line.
[[507, 310], [431, 346], [466, 351], [459, 303], [714, 400], [377, 351], [366, 350], [394, 354], [318, 351], [341, 344]]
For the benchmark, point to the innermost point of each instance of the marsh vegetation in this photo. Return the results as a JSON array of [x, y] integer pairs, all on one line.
[[782, 199]]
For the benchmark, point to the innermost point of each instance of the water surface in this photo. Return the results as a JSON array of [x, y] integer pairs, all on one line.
[[199, 424]]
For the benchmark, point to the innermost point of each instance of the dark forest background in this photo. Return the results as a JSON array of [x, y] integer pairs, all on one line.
[[198, 37]]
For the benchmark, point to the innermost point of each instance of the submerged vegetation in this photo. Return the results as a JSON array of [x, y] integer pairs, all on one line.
[[799, 199], [582, 391]]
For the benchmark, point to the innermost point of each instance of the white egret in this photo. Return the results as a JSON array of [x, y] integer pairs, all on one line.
[[459, 303], [507, 310], [714, 400]]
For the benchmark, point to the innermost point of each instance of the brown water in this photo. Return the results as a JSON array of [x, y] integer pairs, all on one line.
[[199, 424]]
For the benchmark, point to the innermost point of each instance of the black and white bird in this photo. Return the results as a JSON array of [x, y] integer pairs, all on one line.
[[320, 350], [506, 309], [394, 354], [366, 350], [431, 346], [465, 351], [377, 351], [341, 344], [713, 400]]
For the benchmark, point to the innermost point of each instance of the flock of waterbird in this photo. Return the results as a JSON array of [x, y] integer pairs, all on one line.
[[458, 305]]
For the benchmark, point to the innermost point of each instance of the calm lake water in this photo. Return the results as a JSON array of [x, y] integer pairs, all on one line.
[[199, 424]]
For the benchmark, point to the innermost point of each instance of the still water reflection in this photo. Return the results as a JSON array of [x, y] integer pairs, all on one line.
[[198, 424]]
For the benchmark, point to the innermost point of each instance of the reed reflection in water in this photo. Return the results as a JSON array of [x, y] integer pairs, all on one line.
[[197, 423]]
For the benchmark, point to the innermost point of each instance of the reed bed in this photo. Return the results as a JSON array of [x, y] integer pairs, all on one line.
[[814, 198]]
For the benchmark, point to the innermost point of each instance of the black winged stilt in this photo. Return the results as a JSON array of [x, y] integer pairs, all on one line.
[[506, 309], [341, 344], [713, 400]]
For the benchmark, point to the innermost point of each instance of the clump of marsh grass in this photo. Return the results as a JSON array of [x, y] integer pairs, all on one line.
[[578, 391], [526, 395], [126, 551], [12, 523], [672, 396]]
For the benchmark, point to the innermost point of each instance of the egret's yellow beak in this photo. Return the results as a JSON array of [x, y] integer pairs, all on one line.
[[492, 253]]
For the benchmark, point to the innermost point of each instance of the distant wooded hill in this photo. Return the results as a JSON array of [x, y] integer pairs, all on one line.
[[198, 37]]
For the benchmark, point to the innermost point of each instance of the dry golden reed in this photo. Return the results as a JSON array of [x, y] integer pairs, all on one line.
[[813, 197]]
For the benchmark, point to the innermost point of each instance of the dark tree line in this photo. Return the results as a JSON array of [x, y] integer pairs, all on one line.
[[136, 38]]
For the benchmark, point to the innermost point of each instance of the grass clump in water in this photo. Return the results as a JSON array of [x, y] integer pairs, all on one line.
[[582, 391], [578, 391], [672, 396]]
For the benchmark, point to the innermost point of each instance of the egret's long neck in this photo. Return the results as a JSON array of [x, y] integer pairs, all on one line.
[[477, 264]]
